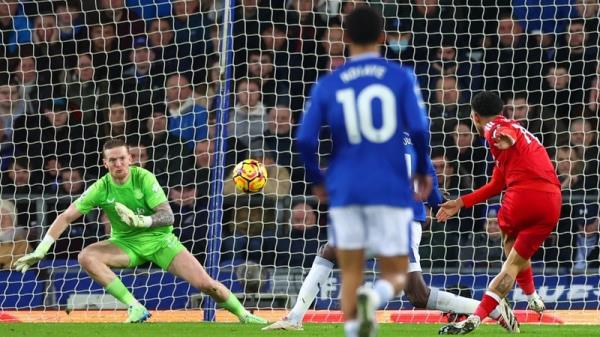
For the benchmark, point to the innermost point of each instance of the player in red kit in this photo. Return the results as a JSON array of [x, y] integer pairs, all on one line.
[[530, 207]]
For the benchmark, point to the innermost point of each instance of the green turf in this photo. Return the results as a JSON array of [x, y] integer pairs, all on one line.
[[239, 330]]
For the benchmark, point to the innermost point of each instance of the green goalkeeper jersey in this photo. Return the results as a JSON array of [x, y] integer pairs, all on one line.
[[141, 193]]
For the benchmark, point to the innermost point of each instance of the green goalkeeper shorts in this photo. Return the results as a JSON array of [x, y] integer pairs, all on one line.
[[161, 251]]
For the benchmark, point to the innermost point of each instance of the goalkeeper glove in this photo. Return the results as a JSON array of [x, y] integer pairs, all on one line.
[[28, 260], [132, 219]]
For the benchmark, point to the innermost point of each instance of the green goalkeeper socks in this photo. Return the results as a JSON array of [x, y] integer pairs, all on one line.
[[233, 305], [120, 292]]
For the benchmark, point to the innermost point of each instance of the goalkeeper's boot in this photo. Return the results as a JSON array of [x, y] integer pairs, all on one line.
[[137, 314], [507, 319], [461, 328], [284, 324], [248, 318], [365, 307], [536, 304]]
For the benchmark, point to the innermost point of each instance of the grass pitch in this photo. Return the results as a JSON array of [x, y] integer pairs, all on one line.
[[240, 330]]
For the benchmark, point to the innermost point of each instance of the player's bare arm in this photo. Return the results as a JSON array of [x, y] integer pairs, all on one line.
[[163, 215], [56, 229], [63, 221], [449, 209]]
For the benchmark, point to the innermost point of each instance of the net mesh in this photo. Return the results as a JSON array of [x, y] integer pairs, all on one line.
[[76, 74]]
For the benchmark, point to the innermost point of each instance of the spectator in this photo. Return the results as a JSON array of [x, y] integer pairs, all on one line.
[[104, 47], [448, 61], [569, 168], [139, 155], [84, 93], [192, 33], [333, 46], [305, 29], [150, 9], [248, 117], [261, 70], [449, 181], [576, 52], [446, 108], [483, 249], [70, 20], [204, 152], [16, 31], [7, 148], [429, 22], [545, 17], [11, 107], [161, 38], [52, 54], [584, 139], [587, 248], [542, 124], [279, 139], [49, 134], [167, 152], [593, 97], [250, 234], [27, 77], [18, 179], [128, 25], [116, 117], [191, 215], [8, 215], [287, 66], [398, 41], [556, 93], [142, 84], [299, 247], [13, 240], [187, 119], [471, 155], [511, 60], [589, 11], [71, 182]]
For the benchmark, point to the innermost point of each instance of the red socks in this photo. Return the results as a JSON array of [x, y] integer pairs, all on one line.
[[525, 281], [488, 303]]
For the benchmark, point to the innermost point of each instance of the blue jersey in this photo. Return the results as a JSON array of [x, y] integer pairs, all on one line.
[[435, 197], [368, 103]]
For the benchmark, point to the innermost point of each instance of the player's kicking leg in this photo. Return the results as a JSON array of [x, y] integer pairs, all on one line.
[[423, 297], [188, 268], [96, 260], [498, 289], [525, 280]]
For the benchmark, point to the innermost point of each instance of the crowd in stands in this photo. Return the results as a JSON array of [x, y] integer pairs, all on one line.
[[74, 74]]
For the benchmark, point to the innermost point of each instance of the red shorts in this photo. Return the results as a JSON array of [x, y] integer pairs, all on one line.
[[529, 217]]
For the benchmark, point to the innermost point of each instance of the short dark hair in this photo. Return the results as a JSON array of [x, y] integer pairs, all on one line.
[[114, 143], [487, 104], [364, 25]]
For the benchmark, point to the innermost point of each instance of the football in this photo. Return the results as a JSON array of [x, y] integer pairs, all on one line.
[[250, 176]]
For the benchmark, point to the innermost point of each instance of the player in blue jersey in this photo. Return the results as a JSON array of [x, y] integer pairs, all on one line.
[[368, 104], [419, 294]]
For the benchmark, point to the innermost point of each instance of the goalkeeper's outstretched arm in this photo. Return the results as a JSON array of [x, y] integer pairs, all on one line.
[[59, 225]]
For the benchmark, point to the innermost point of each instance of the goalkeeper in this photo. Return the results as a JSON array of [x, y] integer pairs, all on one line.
[[141, 221]]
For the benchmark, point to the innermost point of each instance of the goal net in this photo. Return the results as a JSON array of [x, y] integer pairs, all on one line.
[[156, 73]]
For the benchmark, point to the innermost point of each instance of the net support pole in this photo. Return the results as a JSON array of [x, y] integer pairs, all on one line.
[[222, 116]]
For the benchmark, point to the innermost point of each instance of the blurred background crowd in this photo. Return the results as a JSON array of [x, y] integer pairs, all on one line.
[[74, 74]]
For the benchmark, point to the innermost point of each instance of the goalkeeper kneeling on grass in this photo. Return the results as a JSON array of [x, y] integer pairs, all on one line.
[[141, 221]]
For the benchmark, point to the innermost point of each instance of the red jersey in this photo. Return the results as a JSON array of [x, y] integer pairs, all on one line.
[[525, 165]]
